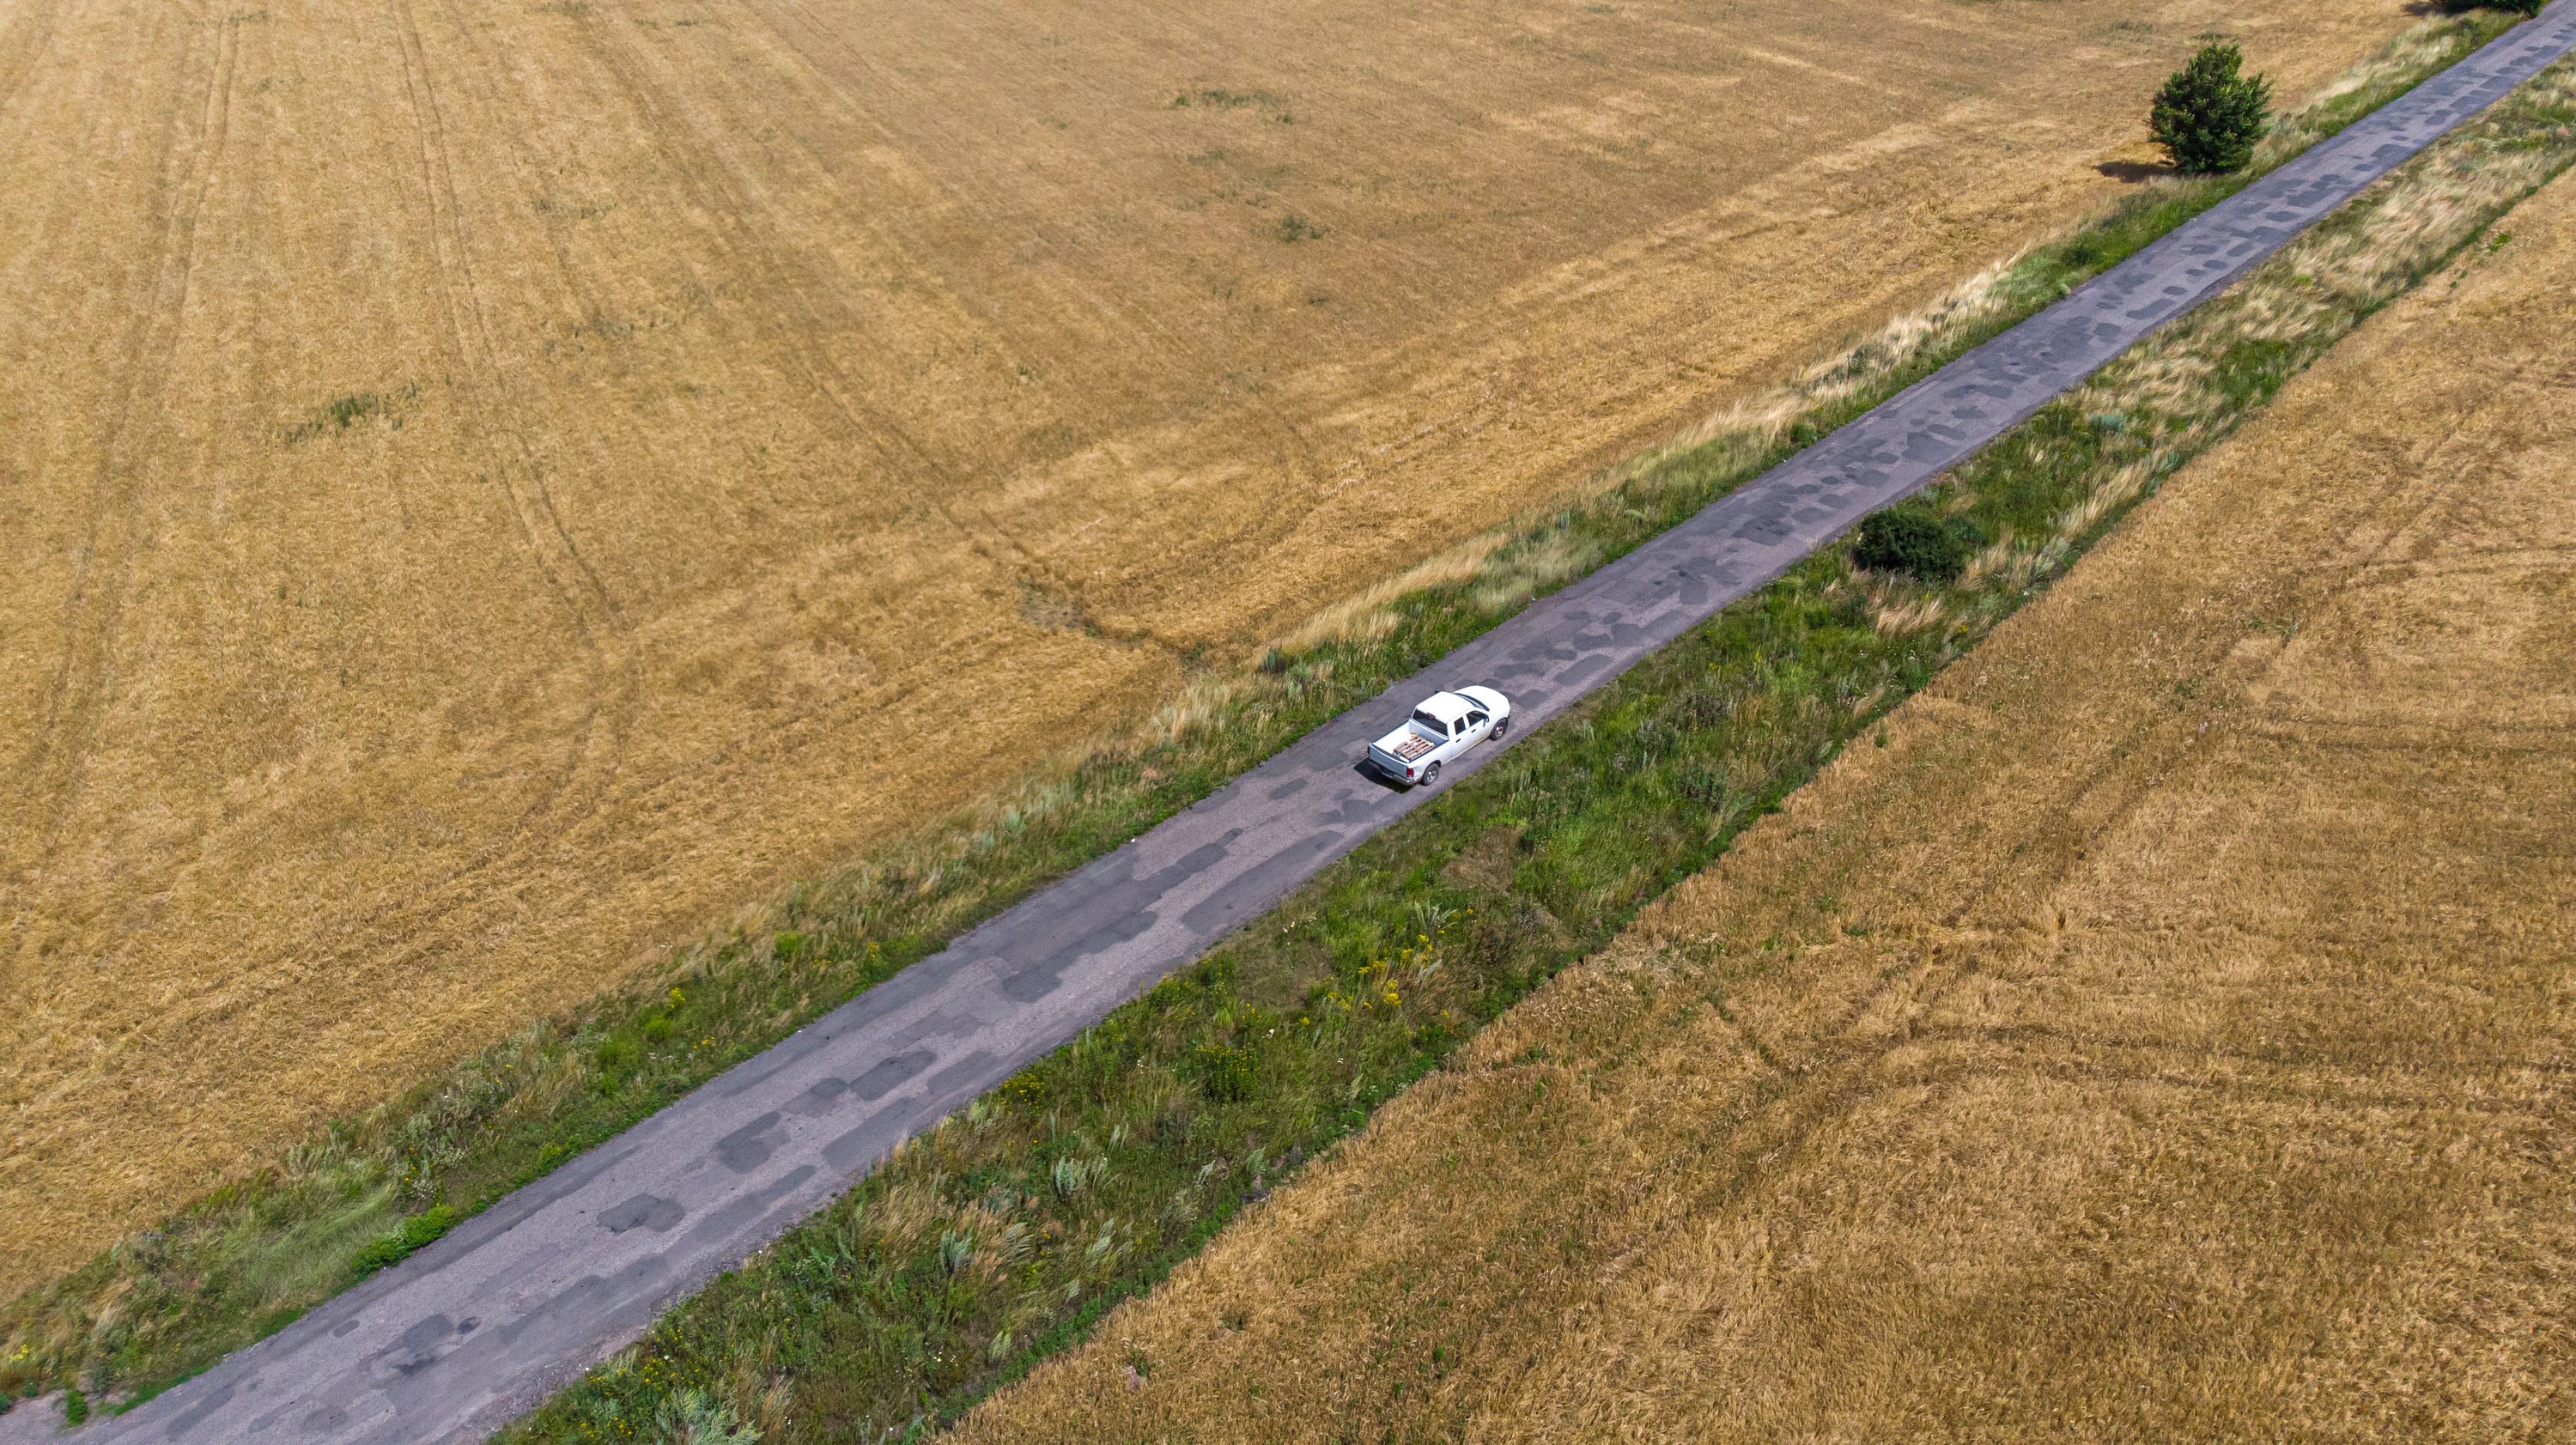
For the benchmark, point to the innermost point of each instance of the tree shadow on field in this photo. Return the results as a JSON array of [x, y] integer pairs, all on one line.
[[2130, 173]]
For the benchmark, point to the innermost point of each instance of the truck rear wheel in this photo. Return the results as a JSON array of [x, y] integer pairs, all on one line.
[[1430, 775]]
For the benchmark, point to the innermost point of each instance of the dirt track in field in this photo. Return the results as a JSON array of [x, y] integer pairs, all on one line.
[[2166, 1035], [485, 491]]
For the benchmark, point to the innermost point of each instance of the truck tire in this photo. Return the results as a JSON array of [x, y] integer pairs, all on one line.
[[1430, 775], [1502, 727]]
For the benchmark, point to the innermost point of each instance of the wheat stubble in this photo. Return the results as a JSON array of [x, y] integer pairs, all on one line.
[[2166, 1035], [485, 490]]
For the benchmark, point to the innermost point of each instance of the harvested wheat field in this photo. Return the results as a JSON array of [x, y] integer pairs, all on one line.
[[488, 490], [2165, 1035]]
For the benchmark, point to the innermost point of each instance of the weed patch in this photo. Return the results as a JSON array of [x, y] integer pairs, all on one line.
[[383, 407]]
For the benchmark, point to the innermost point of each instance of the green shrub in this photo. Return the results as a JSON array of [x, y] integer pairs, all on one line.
[[1914, 539], [2210, 113], [397, 1246], [75, 1406], [615, 1055]]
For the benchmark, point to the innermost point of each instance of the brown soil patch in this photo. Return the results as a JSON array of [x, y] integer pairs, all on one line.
[[486, 489], [2166, 1035]]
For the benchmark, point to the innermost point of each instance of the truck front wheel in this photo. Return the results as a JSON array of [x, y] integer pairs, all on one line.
[[1502, 727], [1430, 775]]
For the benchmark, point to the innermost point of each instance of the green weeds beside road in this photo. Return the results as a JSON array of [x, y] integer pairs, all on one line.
[[1002, 1235]]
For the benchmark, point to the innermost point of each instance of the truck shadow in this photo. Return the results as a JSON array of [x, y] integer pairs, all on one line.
[[1373, 773]]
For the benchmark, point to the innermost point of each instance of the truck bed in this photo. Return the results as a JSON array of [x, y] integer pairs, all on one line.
[[1407, 745]]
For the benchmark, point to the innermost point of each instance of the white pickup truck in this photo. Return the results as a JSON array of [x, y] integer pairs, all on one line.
[[1445, 725]]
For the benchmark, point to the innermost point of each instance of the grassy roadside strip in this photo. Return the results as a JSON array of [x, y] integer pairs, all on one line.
[[362, 1193], [1008, 1231]]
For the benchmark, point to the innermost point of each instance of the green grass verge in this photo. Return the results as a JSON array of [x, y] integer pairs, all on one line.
[[250, 1259], [1004, 1234]]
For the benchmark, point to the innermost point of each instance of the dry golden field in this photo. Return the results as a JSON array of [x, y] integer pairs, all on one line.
[[487, 490], [2166, 1035]]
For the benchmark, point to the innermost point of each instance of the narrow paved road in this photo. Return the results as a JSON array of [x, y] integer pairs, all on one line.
[[472, 1331]]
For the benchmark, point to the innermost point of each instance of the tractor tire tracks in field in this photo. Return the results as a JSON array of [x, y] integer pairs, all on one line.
[[806, 33], [47, 777], [29, 38], [513, 466], [750, 243]]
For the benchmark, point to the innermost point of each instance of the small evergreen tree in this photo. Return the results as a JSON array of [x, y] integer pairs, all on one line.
[[2210, 113]]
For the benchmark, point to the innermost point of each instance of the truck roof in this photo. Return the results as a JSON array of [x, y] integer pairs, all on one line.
[[1448, 706]]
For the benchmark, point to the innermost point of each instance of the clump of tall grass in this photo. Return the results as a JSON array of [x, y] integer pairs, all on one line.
[[693, 1417]]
